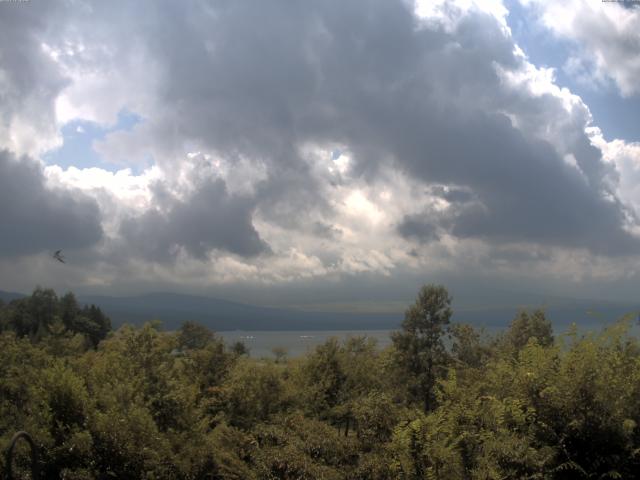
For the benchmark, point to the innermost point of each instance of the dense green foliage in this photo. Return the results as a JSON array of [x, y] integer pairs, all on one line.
[[443, 401], [43, 314]]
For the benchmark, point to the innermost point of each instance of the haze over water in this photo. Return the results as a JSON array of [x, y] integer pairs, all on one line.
[[297, 342], [300, 342]]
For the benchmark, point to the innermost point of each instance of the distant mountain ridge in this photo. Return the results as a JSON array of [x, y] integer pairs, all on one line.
[[9, 296], [172, 309]]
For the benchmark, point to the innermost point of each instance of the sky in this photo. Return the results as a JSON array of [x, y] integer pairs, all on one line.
[[321, 152]]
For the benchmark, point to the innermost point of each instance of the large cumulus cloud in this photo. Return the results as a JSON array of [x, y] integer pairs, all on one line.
[[258, 80], [343, 137]]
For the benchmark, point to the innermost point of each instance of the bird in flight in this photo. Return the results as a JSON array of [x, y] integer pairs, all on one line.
[[58, 256]]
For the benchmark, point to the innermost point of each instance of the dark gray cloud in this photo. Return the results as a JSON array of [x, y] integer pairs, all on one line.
[[34, 218], [526, 191], [208, 219], [418, 228]]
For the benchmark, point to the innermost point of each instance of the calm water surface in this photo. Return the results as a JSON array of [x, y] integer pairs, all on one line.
[[297, 343], [300, 342]]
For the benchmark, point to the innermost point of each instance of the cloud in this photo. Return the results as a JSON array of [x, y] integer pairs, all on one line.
[[432, 98], [626, 158], [208, 219], [334, 139], [418, 228], [605, 37], [36, 218], [29, 81]]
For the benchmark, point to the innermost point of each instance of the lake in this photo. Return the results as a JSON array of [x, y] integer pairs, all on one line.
[[296, 342], [300, 342]]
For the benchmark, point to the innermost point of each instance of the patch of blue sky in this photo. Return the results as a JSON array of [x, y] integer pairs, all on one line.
[[78, 138], [616, 116]]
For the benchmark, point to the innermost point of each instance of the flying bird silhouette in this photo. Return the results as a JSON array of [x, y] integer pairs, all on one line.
[[58, 256]]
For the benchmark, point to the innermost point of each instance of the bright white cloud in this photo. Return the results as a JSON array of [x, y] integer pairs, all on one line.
[[448, 13], [606, 38], [626, 158]]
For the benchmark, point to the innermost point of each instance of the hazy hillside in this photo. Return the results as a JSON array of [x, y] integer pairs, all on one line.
[[173, 309], [8, 296]]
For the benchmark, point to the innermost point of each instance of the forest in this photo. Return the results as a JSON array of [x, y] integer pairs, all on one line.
[[444, 401]]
